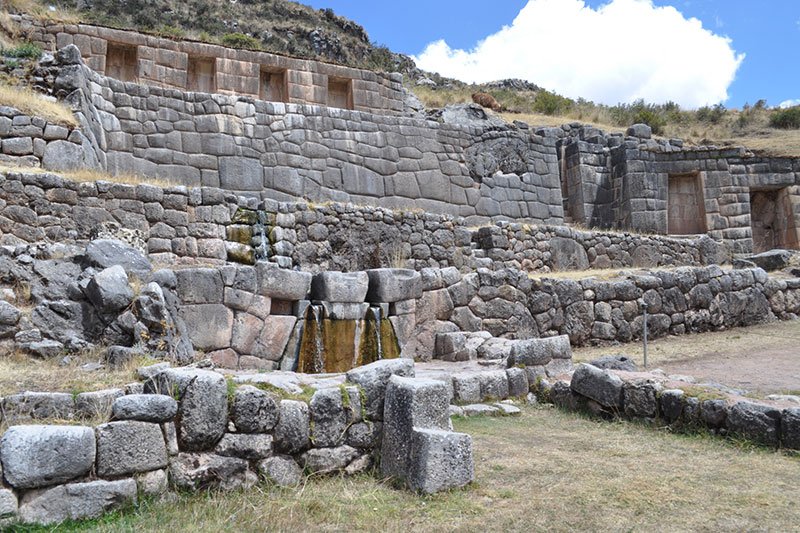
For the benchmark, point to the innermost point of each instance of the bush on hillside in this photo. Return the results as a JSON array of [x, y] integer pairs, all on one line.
[[548, 103], [241, 40], [786, 119], [23, 51], [711, 114]]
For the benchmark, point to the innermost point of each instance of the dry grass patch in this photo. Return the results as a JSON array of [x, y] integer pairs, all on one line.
[[20, 372], [44, 11], [89, 176], [545, 471], [32, 103], [679, 348]]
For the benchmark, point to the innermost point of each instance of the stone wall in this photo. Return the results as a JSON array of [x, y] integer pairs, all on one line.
[[510, 304], [186, 429], [620, 182], [653, 398], [173, 223], [160, 62], [289, 151]]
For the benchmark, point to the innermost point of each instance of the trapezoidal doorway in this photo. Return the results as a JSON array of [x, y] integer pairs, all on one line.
[[686, 214]]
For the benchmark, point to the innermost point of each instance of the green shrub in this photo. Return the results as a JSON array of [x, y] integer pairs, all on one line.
[[23, 51], [786, 119], [170, 32], [548, 103], [241, 40], [711, 114]]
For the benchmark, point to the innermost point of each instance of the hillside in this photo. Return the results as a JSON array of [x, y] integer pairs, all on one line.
[[279, 26]]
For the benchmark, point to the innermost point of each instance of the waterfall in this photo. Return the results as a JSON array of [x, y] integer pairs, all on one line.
[[262, 250], [319, 359], [376, 314]]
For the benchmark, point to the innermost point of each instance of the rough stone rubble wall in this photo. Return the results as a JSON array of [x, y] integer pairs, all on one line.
[[206, 223], [165, 62], [508, 303], [190, 430]]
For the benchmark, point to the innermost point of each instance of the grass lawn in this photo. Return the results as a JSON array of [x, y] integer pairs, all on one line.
[[547, 470]]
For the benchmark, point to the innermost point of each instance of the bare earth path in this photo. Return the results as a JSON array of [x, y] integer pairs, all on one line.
[[762, 359]]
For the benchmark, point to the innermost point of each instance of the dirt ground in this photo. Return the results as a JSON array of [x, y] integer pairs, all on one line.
[[763, 359]]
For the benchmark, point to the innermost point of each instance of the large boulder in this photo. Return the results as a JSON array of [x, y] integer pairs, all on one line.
[[388, 285], [341, 287], [105, 253], [567, 254], [253, 410], [109, 290], [440, 460], [195, 471], [373, 379], [615, 362], [329, 417], [145, 407], [326, 460], [292, 433], [128, 447], [281, 283], [599, 385], [202, 404], [759, 423], [772, 260], [281, 470], [250, 446], [642, 131], [38, 456], [410, 403], [536, 352], [76, 501], [790, 428]]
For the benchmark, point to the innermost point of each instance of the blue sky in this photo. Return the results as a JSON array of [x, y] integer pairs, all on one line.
[[766, 33]]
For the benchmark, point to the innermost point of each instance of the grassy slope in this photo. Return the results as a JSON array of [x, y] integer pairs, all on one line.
[[547, 470], [276, 25], [723, 127]]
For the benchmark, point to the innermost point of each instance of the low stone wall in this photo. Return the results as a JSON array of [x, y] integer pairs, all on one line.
[[508, 303], [656, 399], [193, 430]]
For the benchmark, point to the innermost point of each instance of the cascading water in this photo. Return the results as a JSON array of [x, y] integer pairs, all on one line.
[[376, 315], [338, 345], [262, 249]]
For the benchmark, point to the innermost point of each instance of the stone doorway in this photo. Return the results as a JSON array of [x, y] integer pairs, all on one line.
[[772, 220], [122, 62], [686, 214]]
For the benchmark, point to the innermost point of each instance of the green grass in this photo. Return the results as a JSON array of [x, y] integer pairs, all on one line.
[[545, 471]]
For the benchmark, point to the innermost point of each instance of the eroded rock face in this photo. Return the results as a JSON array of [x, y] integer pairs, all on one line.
[[145, 407], [38, 456]]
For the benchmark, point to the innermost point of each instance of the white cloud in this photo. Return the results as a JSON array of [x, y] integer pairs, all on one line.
[[789, 103], [622, 51]]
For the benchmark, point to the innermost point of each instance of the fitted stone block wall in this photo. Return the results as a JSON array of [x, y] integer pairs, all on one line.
[[166, 63], [638, 172], [286, 151]]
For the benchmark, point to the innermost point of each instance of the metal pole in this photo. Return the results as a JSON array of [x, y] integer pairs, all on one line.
[[644, 331]]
